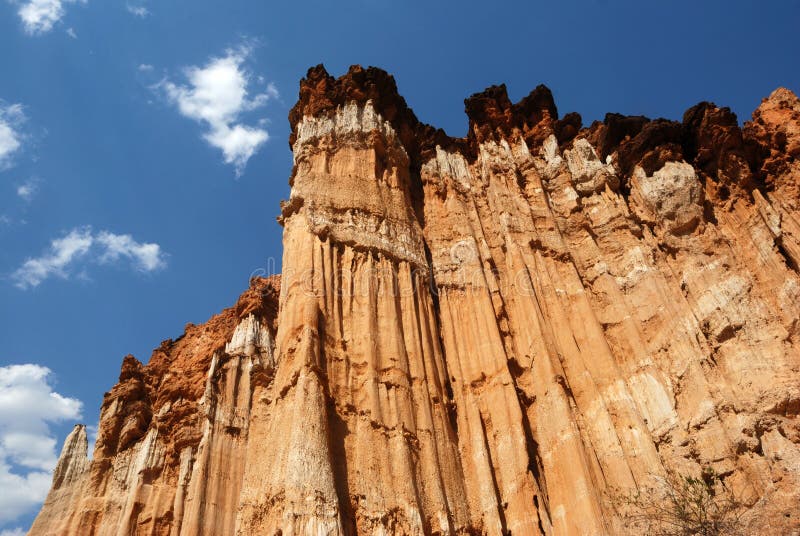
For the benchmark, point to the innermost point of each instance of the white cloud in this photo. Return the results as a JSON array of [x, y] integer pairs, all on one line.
[[238, 143], [145, 67], [28, 190], [138, 11], [217, 94], [80, 244], [11, 117], [28, 406], [39, 16], [13, 532], [147, 257], [272, 91], [63, 252], [71, 33]]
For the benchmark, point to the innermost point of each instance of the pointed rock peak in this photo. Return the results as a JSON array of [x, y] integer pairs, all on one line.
[[709, 113], [568, 127], [77, 435], [74, 459], [491, 103], [774, 133], [538, 101], [491, 111], [131, 368], [607, 135], [781, 103], [260, 299], [713, 143], [782, 98], [316, 74]]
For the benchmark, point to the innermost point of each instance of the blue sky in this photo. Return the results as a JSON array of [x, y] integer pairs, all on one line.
[[143, 150]]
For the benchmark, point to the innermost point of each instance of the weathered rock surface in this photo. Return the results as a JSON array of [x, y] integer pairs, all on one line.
[[495, 334], [170, 445]]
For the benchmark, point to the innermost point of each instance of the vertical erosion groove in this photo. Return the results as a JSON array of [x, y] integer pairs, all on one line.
[[505, 333]]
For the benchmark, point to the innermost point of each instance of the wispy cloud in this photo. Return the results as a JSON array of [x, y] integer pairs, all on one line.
[[71, 32], [61, 254], [28, 406], [146, 257], [39, 16], [11, 118], [216, 95], [137, 10], [28, 190], [81, 246], [145, 67]]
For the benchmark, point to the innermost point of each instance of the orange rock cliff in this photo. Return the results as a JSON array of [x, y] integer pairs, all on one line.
[[495, 334]]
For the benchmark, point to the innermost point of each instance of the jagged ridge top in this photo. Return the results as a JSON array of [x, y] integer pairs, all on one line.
[[489, 111], [321, 94], [175, 376], [704, 137]]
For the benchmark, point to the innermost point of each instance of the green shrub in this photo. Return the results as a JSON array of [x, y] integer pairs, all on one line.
[[681, 505]]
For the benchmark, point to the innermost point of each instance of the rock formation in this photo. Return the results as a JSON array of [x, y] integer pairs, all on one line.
[[495, 334]]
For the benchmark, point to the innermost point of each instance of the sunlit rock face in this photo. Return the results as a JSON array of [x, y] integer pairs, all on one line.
[[169, 457], [496, 334]]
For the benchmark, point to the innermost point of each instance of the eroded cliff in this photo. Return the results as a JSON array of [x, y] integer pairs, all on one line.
[[496, 334]]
